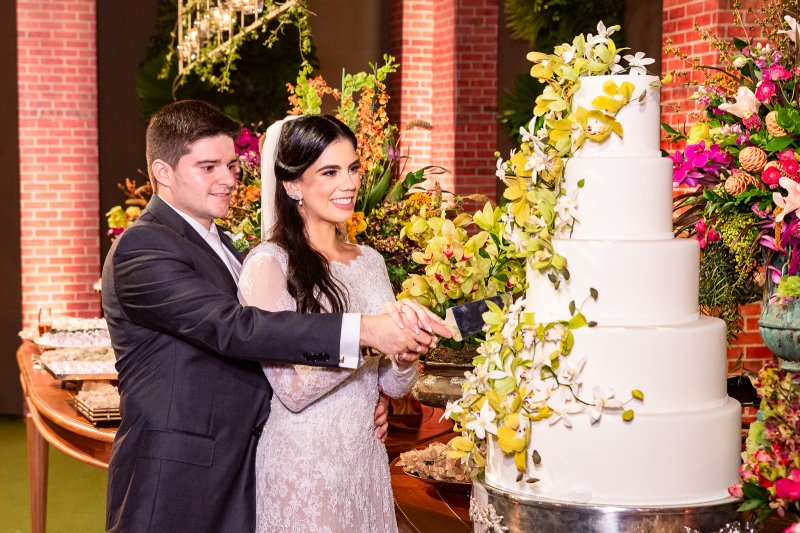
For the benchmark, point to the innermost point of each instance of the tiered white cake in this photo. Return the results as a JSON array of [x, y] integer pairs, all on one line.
[[683, 445]]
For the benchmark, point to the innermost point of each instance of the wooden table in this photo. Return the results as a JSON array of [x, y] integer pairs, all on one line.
[[51, 418]]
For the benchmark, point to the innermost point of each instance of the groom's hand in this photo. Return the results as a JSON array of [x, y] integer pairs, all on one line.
[[380, 332]]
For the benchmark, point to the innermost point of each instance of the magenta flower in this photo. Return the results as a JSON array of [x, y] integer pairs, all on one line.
[[698, 165], [771, 176], [765, 90], [778, 72], [752, 122], [786, 155], [789, 487], [790, 167], [705, 233]]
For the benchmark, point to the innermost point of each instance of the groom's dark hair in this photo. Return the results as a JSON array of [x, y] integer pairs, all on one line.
[[174, 128]]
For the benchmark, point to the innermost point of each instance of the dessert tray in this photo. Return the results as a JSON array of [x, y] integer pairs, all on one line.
[[85, 338], [433, 466], [66, 323], [80, 364], [99, 403]]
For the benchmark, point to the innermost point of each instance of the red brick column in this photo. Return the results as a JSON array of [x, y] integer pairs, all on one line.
[[57, 81], [411, 42], [680, 16], [451, 49]]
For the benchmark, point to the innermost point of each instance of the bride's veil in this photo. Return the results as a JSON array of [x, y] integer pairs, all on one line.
[[269, 183]]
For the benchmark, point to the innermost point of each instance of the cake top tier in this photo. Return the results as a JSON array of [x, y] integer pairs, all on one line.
[[638, 119]]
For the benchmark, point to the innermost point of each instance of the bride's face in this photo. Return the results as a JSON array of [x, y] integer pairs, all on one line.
[[330, 185]]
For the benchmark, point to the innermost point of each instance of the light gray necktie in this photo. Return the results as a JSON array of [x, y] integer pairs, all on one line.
[[214, 241]]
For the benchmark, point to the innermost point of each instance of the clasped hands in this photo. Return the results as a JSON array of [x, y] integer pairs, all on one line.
[[405, 328]]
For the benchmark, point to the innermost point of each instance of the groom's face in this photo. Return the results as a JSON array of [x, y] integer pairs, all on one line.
[[202, 181]]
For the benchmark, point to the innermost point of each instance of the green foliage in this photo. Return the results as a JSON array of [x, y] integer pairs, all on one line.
[[723, 288], [789, 287]]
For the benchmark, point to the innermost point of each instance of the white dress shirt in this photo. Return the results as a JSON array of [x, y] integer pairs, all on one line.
[[349, 348]]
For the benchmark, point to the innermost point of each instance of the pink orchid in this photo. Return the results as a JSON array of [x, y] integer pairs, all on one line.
[[778, 72], [790, 202], [765, 90], [745, 106], [794, 528]]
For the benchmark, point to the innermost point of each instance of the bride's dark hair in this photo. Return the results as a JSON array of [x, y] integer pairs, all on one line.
[[308, 276]]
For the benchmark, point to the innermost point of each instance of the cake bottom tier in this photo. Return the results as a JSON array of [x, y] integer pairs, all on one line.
[[656, 459]]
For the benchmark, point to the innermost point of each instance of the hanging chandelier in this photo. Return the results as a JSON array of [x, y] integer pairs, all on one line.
[[214, 27]]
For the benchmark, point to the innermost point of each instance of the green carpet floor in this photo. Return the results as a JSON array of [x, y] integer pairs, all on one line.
[[76, 496]]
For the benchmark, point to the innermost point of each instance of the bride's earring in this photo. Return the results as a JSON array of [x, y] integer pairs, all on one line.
[[296, 197]]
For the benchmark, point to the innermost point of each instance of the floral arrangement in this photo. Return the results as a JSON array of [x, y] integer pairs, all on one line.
[[740, 164], [523, 373], [117, 218], [771, 469], [243, 220], [459, 267]]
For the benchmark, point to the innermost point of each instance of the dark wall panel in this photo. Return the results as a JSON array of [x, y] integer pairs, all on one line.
[[123, 31], [10, 276]]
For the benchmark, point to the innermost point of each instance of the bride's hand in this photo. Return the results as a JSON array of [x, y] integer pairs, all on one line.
[[408, 313]]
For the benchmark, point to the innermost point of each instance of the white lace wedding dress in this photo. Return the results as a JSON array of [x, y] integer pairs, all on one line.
[[319, 467]]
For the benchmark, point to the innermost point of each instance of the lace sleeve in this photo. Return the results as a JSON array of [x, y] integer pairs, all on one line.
[[396, 382], [263, 284]]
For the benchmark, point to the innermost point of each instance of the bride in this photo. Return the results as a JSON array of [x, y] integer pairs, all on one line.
[[319, 466]]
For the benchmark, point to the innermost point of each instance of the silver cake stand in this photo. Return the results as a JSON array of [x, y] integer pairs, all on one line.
[[494, 511]]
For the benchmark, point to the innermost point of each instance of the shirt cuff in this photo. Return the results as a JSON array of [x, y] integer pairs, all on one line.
[[349, 349]]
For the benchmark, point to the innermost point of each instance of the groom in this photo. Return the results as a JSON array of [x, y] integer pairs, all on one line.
[[193, 395]]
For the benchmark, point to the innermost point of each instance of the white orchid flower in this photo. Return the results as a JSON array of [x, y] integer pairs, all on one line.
[[792, 31], [605, 32], [638, 63], [501, 168], [484, 422], [746, 103], [571, 371], [562, 409], [451, 408], [603, 399]]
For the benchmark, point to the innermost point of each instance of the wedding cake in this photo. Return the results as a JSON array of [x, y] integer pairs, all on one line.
[[683, 444]]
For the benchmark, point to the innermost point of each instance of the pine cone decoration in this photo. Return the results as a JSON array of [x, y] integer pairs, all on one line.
[[736, 183], [772, 124], [753, 159]]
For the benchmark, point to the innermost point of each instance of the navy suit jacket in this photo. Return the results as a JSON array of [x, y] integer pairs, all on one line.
[[193, 395]]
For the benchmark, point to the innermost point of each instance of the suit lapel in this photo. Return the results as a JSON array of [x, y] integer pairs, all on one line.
[[168, 217]]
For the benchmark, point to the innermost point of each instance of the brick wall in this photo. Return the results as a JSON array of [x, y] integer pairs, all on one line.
[[680, 18], [57, 83], [448, 52], [411, 42]]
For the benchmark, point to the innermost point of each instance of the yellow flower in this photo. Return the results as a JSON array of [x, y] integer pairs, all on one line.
[[597, 125], [698, 132], [355, 225], [509, 441], [615, 97]]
